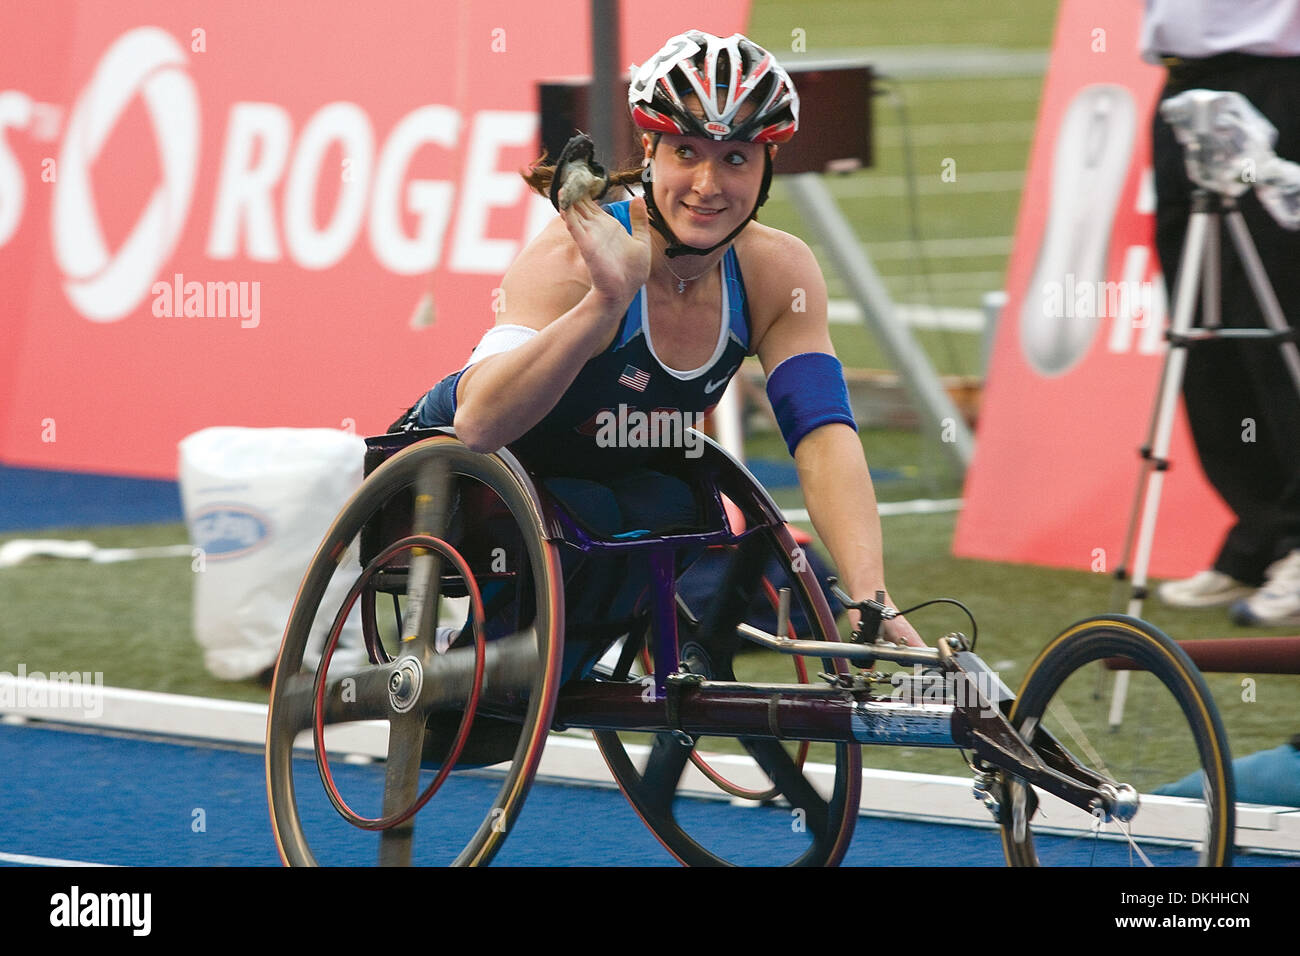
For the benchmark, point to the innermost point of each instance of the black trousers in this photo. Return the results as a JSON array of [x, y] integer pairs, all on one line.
[[1242, 405]]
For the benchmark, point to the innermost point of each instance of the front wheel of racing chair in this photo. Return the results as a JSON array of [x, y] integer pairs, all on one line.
[[1168, 758], [480, 693], [803, 815]]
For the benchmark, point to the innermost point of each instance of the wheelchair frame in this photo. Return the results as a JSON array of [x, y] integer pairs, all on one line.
[[694, 693]]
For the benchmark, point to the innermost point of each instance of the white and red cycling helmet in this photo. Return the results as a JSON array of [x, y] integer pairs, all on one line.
[[723, 74]]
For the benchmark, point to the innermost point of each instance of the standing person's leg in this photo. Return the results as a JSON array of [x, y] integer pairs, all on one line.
[[1275, 453], [1243, 409], [1277, 95]]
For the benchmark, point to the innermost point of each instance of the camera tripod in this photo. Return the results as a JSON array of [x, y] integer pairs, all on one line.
[[1200, 264]]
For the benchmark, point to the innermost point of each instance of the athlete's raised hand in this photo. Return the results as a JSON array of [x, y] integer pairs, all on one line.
[[619, 262]]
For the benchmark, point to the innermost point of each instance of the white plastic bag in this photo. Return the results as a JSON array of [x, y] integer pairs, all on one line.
[[257, 502]]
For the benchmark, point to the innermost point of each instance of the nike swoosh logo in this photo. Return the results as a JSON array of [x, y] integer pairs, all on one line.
[[709, 387]]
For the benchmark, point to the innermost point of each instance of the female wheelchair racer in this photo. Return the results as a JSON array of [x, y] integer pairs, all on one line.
[[651, 304]]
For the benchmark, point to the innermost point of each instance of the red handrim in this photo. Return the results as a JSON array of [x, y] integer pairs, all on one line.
[[717, 779], [467, 721]]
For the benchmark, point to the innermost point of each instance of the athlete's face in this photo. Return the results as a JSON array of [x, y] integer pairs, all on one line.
[[704, 188]]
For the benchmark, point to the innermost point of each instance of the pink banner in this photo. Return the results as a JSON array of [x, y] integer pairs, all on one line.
[[292, 213], [1072, 384]]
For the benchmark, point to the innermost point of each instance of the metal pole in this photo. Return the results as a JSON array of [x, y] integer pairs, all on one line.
[[823, 217], [604, 95]]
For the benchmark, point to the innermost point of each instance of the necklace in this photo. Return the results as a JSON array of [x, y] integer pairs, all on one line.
[[681, 282]]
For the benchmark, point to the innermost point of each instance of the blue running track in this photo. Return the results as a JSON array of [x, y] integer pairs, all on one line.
[[123, 800]]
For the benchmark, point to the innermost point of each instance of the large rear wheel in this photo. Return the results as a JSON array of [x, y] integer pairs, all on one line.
[[456, 595]]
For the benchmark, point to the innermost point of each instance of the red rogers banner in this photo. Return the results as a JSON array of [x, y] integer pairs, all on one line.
[[1079, 348], [291, 213]]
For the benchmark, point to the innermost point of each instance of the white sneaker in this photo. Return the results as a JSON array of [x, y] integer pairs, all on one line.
[[1206, 589], [1277, 603]]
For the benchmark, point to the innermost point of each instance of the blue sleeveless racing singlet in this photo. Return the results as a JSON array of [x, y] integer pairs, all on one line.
[[625, 405]]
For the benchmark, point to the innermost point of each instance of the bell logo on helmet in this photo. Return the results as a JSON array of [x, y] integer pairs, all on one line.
[[717, 129]]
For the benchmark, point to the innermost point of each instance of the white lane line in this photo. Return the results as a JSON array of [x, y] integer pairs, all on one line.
[[969, 246], [931, 183], [932, 134], [919, 506], [847, 312], [24, 860], [20, 549]]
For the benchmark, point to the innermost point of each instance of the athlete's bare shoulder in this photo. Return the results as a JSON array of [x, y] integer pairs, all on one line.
[[781, 275]]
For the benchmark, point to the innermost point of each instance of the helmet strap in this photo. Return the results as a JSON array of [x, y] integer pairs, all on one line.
[[675, 246]]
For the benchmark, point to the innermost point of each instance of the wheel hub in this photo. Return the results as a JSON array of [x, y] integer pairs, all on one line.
[[1123, 801], [404, 684]]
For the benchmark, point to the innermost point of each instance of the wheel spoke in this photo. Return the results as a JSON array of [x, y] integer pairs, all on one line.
[[401, 786], [1133, 845], [663, 770], [511, 670], [432, 510], [1061, 712], [789, 779], [357, 695]]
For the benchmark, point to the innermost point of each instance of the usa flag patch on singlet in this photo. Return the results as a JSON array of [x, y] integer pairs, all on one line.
[[634, 378]]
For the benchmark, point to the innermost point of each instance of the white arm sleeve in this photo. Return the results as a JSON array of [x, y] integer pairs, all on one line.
[[498, 339]]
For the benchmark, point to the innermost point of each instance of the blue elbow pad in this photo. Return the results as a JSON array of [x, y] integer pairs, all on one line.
[[807, 391]]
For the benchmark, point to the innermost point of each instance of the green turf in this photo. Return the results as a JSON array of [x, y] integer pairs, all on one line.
[[910, 217], [841, 24], [131, 621], [951, 353], [971, 125]]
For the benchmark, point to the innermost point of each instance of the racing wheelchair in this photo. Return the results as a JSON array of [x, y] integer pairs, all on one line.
[[437, 532]]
